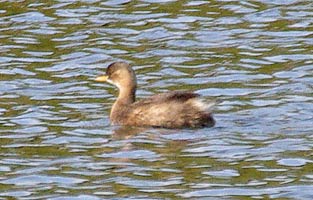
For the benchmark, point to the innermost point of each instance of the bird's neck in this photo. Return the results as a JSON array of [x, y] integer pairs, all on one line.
[[126, 95], [124, 99]]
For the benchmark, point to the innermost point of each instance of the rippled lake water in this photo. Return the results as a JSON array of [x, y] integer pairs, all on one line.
[[254, 57]]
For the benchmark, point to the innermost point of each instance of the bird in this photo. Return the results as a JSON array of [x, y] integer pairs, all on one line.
[[173, 109]]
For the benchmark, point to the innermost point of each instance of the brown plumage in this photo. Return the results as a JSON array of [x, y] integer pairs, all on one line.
[[176, 109]]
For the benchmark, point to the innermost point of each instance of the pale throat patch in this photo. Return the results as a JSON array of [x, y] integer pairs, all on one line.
[[114, 83], [110, 81]]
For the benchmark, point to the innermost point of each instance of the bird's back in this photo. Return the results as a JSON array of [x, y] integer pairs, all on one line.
[[175, 109]]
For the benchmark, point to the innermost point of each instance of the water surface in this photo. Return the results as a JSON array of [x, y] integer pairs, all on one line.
[[254, 57]]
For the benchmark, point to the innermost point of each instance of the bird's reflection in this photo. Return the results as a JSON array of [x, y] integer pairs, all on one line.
[[128, 139], [126, 132]]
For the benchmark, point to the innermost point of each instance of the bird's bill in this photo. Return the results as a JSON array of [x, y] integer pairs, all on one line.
[[103, 78]]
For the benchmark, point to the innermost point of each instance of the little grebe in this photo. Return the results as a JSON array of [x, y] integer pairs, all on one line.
[[176, 109]]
